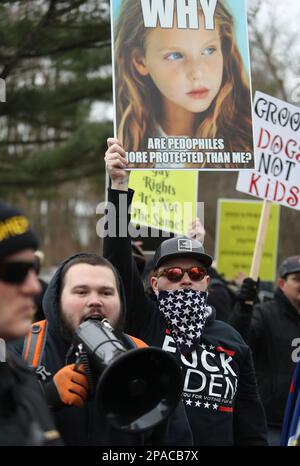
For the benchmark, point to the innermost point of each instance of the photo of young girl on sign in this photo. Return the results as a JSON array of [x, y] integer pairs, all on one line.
[[182, 97]]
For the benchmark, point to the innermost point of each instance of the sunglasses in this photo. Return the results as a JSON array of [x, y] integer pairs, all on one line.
[[175, 274], [16, 272]]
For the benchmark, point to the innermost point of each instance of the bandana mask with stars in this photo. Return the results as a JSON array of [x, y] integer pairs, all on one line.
[[185, 312]]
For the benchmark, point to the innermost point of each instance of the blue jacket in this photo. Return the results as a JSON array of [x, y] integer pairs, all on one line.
[[290, 434]]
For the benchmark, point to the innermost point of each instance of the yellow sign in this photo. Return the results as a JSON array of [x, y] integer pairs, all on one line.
[[165, 200], [237, 225]]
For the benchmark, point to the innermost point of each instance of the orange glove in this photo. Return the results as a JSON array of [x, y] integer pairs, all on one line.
[[72, 385]]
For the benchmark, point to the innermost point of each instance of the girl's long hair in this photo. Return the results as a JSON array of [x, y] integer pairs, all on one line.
[[139, 102]]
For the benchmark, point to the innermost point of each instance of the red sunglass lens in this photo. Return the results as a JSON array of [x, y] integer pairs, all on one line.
[[174, 275], [196, 274]]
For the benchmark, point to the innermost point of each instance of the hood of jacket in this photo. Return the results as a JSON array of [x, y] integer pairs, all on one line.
[[51, 306]]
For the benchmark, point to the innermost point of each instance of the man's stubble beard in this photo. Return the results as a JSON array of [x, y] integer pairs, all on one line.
[[67, 331]]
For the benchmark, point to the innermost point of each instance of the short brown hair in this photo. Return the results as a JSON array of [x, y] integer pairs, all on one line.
[[96, 260]]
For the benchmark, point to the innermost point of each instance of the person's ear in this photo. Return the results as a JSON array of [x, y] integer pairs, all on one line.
[[281, 282], [153, 282], [138, 60], [206, 280]]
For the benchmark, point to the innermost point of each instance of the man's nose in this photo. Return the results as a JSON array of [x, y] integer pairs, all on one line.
[[186, 279], [94, 300], [31, 284]]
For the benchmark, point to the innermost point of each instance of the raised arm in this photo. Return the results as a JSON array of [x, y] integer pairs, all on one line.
[[246, 317], [117, 247]]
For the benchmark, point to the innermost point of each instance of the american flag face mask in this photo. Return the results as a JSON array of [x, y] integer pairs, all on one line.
[[185, 312]]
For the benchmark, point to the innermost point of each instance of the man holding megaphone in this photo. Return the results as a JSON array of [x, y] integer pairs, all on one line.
[[97, 384]]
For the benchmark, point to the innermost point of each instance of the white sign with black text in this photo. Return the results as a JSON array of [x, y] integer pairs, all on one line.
[[277, 153]]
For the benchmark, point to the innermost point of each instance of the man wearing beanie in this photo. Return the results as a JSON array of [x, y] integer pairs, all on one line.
[[220, 392], [24, 415]]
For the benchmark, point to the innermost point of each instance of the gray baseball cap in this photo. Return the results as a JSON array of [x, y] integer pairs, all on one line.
[[289, 265], [181, 247]]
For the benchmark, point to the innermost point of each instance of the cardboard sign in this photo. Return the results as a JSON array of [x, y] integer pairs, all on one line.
[[237, 225], [277, 153], [180, 101], [165, 200]]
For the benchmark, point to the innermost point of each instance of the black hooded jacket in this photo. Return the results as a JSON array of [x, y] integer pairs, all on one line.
[[84, 426], [272, 331], [25, 419], [220, 390]]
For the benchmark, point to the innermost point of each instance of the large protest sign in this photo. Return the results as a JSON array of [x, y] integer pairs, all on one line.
[[237, 226], [181, 77], [165, 200], [277, 152]]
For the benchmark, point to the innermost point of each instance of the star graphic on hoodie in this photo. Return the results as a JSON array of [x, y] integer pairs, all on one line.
[[178, 305], [188, 402], [206, 405]]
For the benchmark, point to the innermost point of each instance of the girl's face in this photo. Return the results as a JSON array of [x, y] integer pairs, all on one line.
[[186, 65]]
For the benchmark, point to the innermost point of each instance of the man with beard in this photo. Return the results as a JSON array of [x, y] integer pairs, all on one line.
[[220, 390], [87, 286]]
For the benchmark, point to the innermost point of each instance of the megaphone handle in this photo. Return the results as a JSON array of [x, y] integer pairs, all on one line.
[[83, 359]]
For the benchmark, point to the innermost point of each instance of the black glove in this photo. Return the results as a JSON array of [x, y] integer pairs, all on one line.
[[248, 293]]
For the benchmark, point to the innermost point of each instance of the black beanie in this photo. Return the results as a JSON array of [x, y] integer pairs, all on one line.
[[15, 232]]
